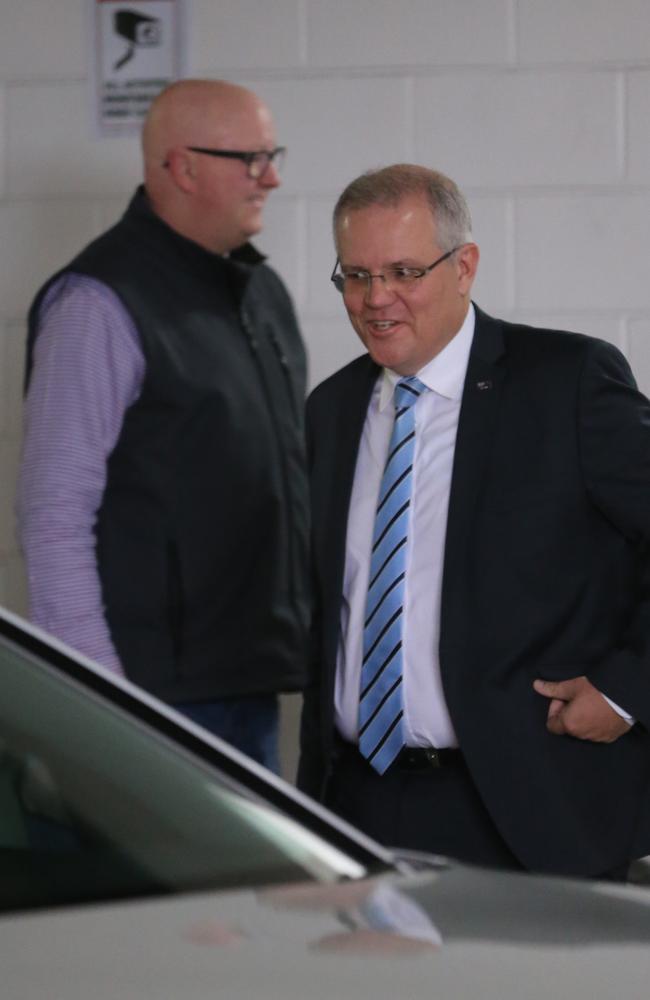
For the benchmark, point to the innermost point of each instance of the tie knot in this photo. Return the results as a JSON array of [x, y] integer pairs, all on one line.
[[407, 391]]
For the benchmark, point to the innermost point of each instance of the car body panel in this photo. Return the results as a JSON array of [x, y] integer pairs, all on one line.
[[462, 933]]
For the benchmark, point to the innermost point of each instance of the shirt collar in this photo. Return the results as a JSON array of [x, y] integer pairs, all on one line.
[[444, 374]]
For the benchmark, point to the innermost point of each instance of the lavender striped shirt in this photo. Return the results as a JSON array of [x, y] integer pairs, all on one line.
[[88, 369]]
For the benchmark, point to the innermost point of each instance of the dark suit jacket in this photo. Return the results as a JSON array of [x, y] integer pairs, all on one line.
[[546, 574]]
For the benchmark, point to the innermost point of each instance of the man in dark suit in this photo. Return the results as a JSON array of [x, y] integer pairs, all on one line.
[[481, 676]]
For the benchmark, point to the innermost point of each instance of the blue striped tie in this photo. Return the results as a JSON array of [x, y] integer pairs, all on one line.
[[380, 701]]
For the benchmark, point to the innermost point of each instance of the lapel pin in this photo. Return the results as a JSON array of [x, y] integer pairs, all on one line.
[[484, 385]]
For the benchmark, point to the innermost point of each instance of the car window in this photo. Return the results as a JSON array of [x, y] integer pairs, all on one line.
[[94, 804]]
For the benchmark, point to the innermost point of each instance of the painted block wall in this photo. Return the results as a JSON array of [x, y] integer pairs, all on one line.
[[540, 109]]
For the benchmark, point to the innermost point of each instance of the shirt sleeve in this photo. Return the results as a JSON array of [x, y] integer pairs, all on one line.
[[88, 368]]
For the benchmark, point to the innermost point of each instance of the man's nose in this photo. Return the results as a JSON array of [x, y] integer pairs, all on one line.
[[378, 290], [271, 176]]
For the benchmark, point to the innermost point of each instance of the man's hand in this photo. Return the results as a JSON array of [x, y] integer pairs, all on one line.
[[578, 709]]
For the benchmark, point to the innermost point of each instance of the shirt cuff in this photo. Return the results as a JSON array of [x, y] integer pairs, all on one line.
[[619, 711]]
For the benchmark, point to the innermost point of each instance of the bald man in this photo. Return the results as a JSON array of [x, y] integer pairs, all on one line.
[[162, 499]]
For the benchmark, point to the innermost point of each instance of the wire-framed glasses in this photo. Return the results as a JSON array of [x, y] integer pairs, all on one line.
[[349, 281]]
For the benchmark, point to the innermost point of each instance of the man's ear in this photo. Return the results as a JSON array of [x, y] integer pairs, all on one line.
[[181, 166], [467, 258]]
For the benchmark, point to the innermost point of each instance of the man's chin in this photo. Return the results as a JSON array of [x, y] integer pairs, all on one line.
[[252, 229], [386, 355], [255, 220]]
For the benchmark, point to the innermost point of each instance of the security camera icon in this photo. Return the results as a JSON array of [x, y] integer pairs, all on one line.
[[138, 30]]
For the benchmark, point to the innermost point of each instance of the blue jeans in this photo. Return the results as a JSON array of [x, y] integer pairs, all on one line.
[[251, 724]]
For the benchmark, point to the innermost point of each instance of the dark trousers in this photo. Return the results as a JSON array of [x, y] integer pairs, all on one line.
[[251, 724], [437, 810]]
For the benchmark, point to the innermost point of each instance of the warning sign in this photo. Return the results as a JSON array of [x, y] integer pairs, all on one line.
[[137, 50]]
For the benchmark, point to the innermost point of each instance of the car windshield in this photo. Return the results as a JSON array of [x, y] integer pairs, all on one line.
[[96, 804]]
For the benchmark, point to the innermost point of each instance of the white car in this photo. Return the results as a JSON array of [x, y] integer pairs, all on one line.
[[141, 859]]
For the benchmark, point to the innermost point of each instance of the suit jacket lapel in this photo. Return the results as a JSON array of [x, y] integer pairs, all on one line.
[[351, 418], [476, 425], [351, 407]]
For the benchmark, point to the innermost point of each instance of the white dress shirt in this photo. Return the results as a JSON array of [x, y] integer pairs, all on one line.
[[426, 718]]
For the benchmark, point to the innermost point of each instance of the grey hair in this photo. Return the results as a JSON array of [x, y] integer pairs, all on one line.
[[389, 185]]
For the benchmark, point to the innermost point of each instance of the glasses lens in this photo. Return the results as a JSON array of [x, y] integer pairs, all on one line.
[[261, 161]]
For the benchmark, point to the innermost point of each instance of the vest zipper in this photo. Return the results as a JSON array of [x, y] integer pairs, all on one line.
[[284, 364]]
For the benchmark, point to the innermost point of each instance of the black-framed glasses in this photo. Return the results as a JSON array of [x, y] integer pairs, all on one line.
[[350, 281], [257, 162]]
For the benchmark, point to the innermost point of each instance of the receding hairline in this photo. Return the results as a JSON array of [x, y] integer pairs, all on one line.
[[390, 186]]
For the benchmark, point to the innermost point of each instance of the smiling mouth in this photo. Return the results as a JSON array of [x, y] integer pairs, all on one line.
[[382, 325]]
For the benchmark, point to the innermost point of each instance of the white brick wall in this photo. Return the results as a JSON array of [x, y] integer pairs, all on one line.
[[42, 40], [53, 153], [539, 108], [583, 251], [512, 130], [582, 31], [376, 33], [636, 122], [231, 34]]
